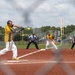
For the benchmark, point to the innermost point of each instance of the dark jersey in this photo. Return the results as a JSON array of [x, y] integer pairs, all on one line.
[[74, 39]]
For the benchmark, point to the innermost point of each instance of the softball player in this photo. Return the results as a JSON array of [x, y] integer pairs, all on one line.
[[9, 41], [50, 40], [73, 42]]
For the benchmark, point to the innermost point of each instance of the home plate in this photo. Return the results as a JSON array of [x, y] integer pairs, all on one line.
[[16, 61]]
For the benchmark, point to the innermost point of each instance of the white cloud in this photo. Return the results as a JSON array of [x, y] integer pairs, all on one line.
[[62, 7], [44, 7], [48, 13]]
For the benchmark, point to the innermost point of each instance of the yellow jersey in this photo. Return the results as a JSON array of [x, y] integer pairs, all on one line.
[[7, 32], [49, 37]]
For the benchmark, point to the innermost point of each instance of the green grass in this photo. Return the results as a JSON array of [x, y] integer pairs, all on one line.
[[41, 46], [68, 46], [31, 46]]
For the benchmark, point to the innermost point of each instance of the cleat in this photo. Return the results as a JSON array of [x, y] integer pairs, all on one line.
[[15, 59]]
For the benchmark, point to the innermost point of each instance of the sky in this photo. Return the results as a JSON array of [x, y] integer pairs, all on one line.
[[37, 13]]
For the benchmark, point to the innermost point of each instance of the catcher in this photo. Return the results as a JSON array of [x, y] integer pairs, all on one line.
[[9, 40], [50, 40]]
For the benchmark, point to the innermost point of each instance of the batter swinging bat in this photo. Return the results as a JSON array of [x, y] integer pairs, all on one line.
[[13, 33]]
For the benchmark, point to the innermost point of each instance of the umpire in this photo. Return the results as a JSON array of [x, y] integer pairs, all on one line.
[[73, 42], [32, 39]]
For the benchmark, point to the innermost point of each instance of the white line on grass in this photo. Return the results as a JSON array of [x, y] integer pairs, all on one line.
[[29, 54], [16, 61], [32, 53], [40, 62]]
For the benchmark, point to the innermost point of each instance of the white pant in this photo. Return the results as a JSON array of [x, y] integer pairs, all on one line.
[[52, 43], [12, 47]]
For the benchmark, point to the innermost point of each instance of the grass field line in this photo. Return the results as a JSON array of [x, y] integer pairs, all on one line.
[[10, 61], [36, 62], [29, 54], [32, 53]]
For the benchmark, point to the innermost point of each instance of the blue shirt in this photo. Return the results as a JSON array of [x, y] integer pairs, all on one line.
[[32, 37]]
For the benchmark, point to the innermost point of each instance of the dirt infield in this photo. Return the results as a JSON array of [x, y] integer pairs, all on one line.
[[34, 62]]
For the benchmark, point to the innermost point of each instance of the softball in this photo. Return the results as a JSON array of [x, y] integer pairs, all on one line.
[[28, 28]]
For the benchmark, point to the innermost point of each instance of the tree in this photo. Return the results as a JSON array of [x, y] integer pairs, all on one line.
[[18, 37], [1, 33], [45, 28], [69, 29], [53, 28]]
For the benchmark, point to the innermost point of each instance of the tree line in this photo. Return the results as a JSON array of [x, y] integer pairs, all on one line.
[[23, 35]]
